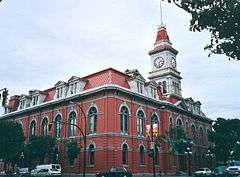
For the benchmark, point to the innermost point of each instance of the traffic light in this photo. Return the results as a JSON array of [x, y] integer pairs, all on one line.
[[50, 129]]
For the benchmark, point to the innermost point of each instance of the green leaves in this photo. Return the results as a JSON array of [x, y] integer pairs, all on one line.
[[226, 137], [11, 142], [72, 150], [39, 147], [221, 18]]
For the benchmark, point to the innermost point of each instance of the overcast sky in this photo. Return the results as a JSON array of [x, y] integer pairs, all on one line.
[[43, 41]]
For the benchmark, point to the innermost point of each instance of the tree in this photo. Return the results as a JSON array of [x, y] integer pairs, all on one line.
[[221, 18], [39, 147], [226, 139], [72, 150], [176, 138], [11, 142]]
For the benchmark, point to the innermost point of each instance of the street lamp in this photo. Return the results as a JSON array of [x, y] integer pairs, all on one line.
[[152, 131], [189, 144], [83, 133], [22, 158]]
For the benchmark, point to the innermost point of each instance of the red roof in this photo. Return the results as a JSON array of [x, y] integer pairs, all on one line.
[[107, 76], [162, 35]]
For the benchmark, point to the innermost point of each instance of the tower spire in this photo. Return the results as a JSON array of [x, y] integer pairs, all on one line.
[[161, 14]]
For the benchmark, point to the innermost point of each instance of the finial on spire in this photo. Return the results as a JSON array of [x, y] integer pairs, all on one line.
[[161, 15]]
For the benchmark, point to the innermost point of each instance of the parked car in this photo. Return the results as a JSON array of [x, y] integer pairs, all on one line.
[[47, 170], [219, 171], [233, 171], [23, 172], [115, 172], [203, 172]]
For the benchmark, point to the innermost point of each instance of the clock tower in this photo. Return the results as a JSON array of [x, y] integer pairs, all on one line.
[[164, 65]]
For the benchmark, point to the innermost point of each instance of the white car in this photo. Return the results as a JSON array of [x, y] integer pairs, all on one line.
[[47, 170], [203, 172], [233, 170]]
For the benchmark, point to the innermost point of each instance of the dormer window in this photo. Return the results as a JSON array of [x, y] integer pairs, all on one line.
[[35, 100], [60, 92], [139, 87], [164, 86], [73, 88], [153, 92], [22, 104]]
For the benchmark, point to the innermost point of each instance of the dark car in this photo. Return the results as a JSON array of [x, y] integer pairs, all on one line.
[[219, 171], [115, 172]]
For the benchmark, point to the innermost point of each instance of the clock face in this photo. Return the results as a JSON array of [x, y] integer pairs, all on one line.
[[173, 62], [158, 62]]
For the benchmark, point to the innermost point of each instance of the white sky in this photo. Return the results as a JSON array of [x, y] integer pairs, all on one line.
[[43, 41]]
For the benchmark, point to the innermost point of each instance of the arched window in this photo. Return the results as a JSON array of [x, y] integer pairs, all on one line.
[[140, 123], [170, 119], [124, 115], [193, 129], [45, 127], [156, 156], [154, 119], [91, 154], [141, 155], [201, 135], [179, 123], [57, 126], [208, 134], [71, 126], [124, 154], [33, 128], [92, 120], [164, 84]]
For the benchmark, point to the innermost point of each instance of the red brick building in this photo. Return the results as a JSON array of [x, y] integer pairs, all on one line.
[[118, 106]]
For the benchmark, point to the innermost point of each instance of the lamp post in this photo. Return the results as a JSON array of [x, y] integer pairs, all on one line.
[[83, 133], [22, 159], [151, 131], [189, 144]]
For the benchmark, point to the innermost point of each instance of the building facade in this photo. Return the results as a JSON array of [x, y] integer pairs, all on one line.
[[115, 108]]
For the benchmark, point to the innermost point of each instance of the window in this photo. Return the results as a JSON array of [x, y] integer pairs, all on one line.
[[153, 92], [124, 114], [154, 119], [142, 155], [124, 154], [60, 92], [140, 123], [35, 100], [33, 128], [91, 154], [140, 87], [164, 85], [201, 135], [170, 119], [22, 104], [57, 126], [45, 127], [193, 129], [71, 126], [73, 88], [179, 122], [92, 120]]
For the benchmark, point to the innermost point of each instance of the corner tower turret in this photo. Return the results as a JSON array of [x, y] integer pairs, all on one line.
[[164, 65]]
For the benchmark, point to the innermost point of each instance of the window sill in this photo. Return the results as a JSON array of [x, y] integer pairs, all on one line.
[[90, 166]]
